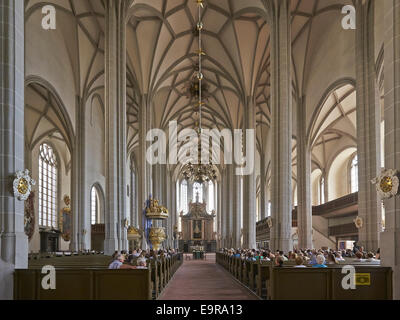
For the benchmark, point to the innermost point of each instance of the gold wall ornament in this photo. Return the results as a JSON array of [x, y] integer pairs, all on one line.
[[387, 183], [358, 222], [133, 233], [156, 211], [22, 185], [156, 237], [67, 200]]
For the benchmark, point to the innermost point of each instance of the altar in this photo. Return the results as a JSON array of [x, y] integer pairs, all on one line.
[[197, 229]]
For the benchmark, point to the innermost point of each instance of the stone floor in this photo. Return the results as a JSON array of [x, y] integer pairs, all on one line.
[[205, 280]]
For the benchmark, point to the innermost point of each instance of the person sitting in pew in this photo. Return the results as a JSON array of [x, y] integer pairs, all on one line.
[[237, 254], [313, 257], [115, 254], [141, 263], [331, 258], [320, 262], [370, 258], [299, 262], [279, 261], [250, 257], [359, 257], [118, 263], [283, 256], [292, 256], [339, 256]]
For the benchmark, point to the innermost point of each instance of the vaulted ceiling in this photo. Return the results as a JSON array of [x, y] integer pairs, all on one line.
[[161, 45]]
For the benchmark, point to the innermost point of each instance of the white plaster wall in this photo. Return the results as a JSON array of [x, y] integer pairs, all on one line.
[[49, 56], [320, 232], [338, 177]]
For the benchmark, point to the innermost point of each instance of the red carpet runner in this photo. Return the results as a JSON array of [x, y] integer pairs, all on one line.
[[204, 280]]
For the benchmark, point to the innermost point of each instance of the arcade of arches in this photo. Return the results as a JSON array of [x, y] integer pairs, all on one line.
[[77, 102]]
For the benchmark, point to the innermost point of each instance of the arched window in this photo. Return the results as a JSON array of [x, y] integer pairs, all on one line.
[[183, 197], [47, 187], [198, 188], [322, 190], [211, 201], [354, 175], [95, 206]]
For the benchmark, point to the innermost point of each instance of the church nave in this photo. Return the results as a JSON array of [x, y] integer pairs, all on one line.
[[205, 280]]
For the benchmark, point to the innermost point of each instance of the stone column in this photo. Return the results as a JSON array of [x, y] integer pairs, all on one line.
[[13, 241], [368, 127], [304, 206], [173, 209], [134, 213], [145, 169], [229, 204], [236, 211], [81, 238], [390, 239], [281, 104], [115, 100], [219, 211], [263, 187], [249, 180], [224, 217]]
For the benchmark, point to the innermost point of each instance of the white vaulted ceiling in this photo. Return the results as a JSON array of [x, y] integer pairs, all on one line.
[[161, 57], [161, 45]]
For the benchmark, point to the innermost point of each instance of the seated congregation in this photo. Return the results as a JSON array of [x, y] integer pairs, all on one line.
[[322, 274]]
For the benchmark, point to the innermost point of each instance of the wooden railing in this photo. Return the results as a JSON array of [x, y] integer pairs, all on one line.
[[334, 205], [344, 229]]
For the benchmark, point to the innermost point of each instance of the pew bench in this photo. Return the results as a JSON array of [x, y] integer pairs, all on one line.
[[326, 284], [85, 284]]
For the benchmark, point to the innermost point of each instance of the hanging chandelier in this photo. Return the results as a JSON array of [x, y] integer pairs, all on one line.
[[199, 172]]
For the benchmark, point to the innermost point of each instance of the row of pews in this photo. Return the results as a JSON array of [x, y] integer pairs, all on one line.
[[87, 277], [372, 282]]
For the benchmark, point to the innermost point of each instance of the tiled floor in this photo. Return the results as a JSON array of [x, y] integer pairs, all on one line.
[[204, 280]]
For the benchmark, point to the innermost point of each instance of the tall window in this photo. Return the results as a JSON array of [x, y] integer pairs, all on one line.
[[322, 189], [354, 175], [198, 188], [183, 197], [47, 187], [211, 201], [269, 209], [94, 206]]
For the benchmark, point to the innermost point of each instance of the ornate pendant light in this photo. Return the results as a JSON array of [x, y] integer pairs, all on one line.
[[199, 172]]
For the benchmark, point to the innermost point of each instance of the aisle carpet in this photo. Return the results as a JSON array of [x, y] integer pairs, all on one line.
[[204, 280]]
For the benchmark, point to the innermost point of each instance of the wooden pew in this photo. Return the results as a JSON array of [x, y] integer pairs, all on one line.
[[85, 284], [161, 269], [326, 284], [262, 278]]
